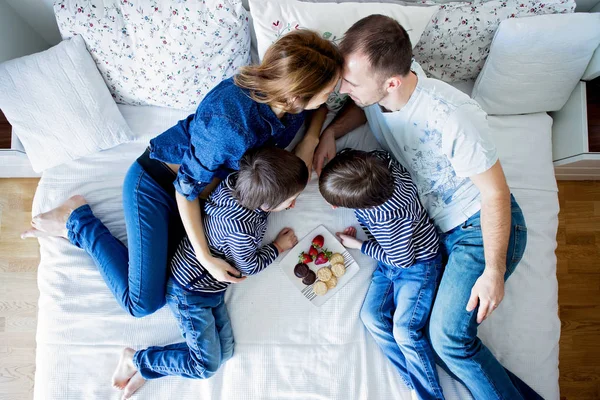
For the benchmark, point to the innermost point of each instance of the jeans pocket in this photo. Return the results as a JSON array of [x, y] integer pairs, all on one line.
[[518, 248]]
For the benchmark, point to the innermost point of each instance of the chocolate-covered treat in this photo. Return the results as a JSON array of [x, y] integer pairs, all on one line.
[[301, 270], [310, 278]]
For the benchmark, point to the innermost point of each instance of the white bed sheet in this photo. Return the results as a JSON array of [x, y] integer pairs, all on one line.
[[285, 347]]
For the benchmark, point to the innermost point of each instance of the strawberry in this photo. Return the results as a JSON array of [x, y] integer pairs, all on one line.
[[322, 257], [305, 258], [313, 252], [318, 241]]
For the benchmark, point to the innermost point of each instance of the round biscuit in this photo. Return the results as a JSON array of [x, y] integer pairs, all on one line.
[[320, 288], [331, 283], [324, 274], [336, 258], [338, 269]]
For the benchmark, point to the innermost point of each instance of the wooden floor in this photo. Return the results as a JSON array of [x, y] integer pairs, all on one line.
[[578, 275], [5, 130]]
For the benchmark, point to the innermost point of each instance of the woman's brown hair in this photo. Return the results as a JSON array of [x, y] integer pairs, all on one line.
[[297, 66]]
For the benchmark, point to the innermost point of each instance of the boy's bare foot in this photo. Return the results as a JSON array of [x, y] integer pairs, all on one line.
[[54, 222], [125, 370], [133, 385]]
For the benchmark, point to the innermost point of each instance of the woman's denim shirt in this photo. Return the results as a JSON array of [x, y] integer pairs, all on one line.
[[211, 142]]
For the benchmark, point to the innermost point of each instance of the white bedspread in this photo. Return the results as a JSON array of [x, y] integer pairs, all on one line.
[[285, 347]]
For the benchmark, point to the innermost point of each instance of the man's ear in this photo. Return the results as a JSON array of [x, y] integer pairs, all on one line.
[[393, 83]]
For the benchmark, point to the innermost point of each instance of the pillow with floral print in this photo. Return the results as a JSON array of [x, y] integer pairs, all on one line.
[[457, 40], [275, 18], [167, 53]]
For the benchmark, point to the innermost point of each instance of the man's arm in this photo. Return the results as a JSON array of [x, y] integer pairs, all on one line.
[[488, 290], [349, 118], [306, 148]]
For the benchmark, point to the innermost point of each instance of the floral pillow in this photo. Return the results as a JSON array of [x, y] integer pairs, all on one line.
[[168, 53], [457, 40]]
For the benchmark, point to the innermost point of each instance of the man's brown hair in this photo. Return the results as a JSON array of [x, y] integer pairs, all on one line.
[[356, 179], [268, 176], [299, 65], [385, 43]]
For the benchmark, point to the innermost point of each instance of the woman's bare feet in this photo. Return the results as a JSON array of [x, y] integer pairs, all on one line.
[[54, 222], [133, 385], [125, 370]]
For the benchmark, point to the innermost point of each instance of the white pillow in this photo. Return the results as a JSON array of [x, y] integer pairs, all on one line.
[[162, 52], [535, 63], [59, 105], [272, 19]]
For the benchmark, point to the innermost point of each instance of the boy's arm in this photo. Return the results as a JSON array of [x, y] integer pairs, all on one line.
[[247, 257], [393, 244]]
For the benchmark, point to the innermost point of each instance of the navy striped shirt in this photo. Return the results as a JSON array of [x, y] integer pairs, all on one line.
[[400, 232], [234, 233]]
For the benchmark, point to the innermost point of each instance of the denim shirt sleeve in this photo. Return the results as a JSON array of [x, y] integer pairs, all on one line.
[[216, 146]]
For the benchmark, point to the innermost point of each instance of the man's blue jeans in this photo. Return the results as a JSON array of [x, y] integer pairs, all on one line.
[[453, 330], [206, 328], [395, 311], [136, 274]]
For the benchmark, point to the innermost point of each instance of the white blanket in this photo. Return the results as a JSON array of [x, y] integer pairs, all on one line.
[[285, 347]]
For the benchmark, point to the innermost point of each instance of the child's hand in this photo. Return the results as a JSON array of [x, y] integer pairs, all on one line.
[[348, 238], [286, 239]]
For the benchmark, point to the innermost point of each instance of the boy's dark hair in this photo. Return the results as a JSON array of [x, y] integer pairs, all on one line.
[[385, 43], [268, 176], [356, 179]]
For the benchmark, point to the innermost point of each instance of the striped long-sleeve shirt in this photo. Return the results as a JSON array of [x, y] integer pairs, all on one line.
[[400, 232], [234, 233]]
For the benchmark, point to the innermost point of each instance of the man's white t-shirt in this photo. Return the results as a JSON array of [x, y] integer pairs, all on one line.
[[441, 136]]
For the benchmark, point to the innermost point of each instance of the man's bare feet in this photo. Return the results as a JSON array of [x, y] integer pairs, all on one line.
[[125, 370], [54, 222], [133, 385]]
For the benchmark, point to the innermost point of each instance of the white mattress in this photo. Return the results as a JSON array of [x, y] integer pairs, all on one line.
[[285, 347]]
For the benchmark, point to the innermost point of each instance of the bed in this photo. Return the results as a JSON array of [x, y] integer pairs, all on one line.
[[286, 348]]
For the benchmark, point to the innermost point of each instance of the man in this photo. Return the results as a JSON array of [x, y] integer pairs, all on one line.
[[442, 137]]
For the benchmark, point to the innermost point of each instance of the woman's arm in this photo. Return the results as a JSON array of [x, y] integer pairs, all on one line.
[[191, 216], [306, 148]]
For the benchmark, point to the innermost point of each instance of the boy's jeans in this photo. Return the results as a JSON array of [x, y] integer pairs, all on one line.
[[453, 330], [206, 328], [396, 311]]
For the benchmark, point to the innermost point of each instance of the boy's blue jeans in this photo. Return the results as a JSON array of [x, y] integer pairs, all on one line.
[[453, 330], [206, 328], [395, 311]]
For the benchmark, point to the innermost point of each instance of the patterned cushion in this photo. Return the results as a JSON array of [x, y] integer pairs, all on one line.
[[166, 53], [457, 40]]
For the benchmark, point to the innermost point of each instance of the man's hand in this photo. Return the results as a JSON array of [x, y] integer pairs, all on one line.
[[325, 150], [488, 292], [348, 238], [221, 270]]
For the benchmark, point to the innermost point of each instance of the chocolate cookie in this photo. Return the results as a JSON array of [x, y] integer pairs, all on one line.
[[301, 270], [310, 278]]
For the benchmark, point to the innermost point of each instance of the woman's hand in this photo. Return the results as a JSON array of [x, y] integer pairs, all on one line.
[[348, 238], [286, 239], [221, 270]]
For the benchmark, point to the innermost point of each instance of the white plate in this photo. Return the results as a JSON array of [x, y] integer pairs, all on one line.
[[332, 244]]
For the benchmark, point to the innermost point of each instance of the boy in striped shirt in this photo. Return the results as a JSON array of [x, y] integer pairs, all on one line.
[[235, 220], [405, 242]]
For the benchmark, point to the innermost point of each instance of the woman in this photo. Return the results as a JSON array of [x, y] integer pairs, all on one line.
[[262, 105]]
